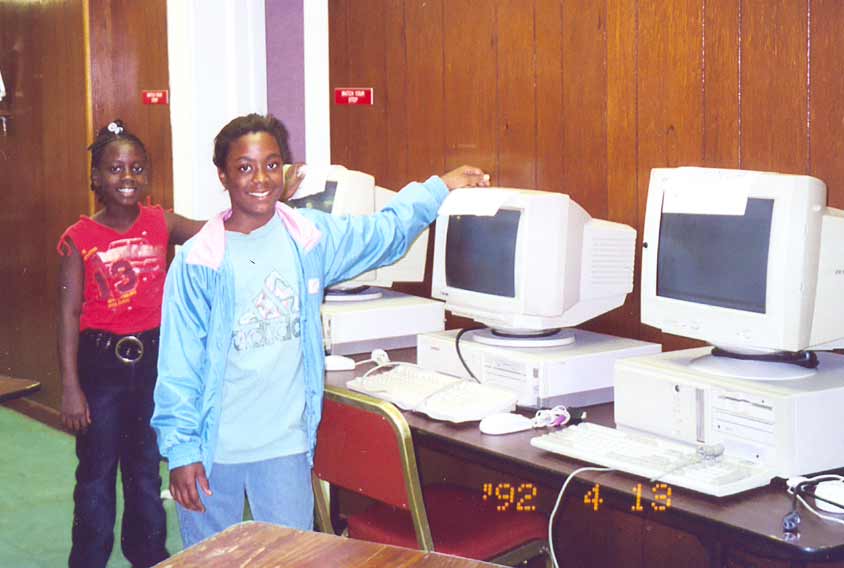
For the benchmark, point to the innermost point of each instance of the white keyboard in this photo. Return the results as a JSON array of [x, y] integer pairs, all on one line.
[[440, 396], [672, 463]]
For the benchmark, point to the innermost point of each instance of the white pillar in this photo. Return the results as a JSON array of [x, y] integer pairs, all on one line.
[[317, 95], [218, 70]]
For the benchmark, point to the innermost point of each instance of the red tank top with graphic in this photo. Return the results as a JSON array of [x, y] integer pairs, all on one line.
[[124, 272]]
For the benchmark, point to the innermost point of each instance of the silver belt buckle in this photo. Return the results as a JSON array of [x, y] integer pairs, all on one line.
[[130, 345]]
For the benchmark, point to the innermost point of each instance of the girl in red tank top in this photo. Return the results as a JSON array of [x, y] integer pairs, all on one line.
[[112, 272]]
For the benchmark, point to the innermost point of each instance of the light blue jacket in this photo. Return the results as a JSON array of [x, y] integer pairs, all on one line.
[[198, 310]]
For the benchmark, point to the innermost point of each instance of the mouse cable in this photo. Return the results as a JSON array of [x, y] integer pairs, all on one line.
[[800, 491], [571, 476]]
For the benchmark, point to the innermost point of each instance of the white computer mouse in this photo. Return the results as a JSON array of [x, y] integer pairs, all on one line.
[[505, 423], [832, 490], [339, 363]]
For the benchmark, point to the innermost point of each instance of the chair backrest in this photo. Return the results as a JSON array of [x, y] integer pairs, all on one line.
[[364, 445]]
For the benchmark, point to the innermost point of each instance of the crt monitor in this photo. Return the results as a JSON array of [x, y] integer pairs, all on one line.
[[751, 262], [340, 191], [527, 263]]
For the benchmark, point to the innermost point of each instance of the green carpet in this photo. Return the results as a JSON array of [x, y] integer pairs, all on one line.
[[36, 496]]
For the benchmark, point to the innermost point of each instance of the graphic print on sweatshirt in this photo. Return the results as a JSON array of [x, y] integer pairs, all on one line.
[[271, 318], [118, 270]]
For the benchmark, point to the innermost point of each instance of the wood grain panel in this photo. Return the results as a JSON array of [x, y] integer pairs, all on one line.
[[622, 146], [425, 108], [338, 57], [774, 97], [367, 122], [827, 97], [548, 23], [516, 124], [584, 107], [395, 174], [721, 87], [471, 87], [129, 55], [44, 172]]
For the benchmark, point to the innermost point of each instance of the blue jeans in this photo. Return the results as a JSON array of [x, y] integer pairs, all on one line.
[[279, 491], [120, 400]]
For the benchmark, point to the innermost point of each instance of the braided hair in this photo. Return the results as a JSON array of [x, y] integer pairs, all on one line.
[[247, 124], [114, 131]]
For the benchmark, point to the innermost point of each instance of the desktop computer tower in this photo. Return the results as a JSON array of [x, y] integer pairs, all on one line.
[[580, 374], [389, 322], [790, 425]]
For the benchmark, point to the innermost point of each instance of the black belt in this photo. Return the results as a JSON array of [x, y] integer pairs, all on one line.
[[129, 349]]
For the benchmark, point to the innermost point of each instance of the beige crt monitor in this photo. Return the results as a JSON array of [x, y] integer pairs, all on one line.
[[337, 190], [363, 314], [753, 263]]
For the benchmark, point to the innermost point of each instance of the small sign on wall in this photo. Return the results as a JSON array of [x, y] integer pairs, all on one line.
[[156, 97], [354, 96]]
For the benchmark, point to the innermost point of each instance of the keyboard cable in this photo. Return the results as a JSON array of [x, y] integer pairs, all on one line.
[[706, 452], [571, 476]]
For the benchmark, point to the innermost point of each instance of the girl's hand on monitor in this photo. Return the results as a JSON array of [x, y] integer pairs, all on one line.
[[293, 176], [466, 176]]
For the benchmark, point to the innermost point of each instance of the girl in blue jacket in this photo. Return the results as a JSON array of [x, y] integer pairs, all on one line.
[[241, 363]]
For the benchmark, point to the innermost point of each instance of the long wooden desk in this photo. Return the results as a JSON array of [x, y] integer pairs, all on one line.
[[751, 521], [13, 388], [262, 545]]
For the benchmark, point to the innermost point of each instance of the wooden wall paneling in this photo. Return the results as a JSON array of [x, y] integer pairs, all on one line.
[[721, 84], [63, 157], [472, 120], [128, 55], [43, 169], [774, 97], [515, 78], [338, 59], [394, 97], [366, 67], [670, 87], [622, 145], [584, 108], [548, 22], [425, 106], [827, 97]]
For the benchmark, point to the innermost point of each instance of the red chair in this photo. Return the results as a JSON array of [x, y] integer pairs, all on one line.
[[364, 445]]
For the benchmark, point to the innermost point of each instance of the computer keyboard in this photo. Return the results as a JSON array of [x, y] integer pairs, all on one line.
[[656, 458], [440, 396]]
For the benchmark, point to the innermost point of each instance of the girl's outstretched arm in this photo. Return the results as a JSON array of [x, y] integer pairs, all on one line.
[[181, 228], [76, 416]]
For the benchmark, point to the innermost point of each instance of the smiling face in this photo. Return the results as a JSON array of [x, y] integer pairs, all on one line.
[[254, 178], [121, 175]]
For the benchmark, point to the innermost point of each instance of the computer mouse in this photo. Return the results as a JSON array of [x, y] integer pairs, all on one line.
[[339, 363], [505, 423], [832, 490]]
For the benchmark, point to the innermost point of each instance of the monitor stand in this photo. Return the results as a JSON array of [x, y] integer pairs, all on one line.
[[515, 338], [354, 294], [758, 366]]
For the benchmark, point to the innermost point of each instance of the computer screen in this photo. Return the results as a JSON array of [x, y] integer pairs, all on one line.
[[527, 263], [747, 261], [481, 253], [339, 191]]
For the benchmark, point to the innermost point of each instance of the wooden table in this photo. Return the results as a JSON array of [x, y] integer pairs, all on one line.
[[751, 521], [262, 545], [13, 388]]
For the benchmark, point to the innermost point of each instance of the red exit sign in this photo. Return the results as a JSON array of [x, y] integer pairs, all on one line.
[[354, 96], [156, 97]]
